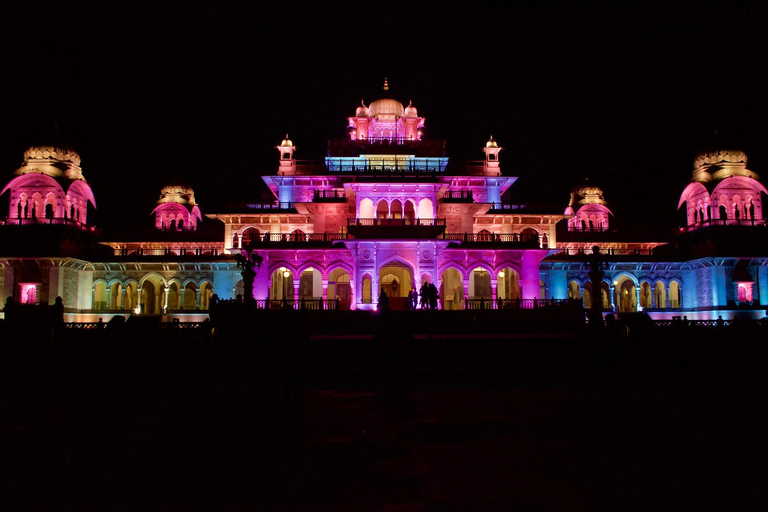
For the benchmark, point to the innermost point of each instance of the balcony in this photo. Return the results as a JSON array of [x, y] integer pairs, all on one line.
[[387, 146], [334, 195], [458, 196], [396, 228], [521, 240], [725, 222], [42, 221]]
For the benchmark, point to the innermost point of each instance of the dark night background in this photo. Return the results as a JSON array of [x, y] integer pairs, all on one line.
[[625, 96]]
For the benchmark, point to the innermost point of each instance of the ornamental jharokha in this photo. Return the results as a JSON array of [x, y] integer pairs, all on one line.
[[384, 212]]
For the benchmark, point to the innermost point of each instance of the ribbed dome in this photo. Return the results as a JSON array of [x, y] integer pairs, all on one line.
[[52, 153], [387, 106], [181, 194], [53, 161], [586, 193], [719, 156]]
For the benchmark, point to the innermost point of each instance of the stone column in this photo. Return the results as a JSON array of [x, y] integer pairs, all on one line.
[[109, 297], [612, 295], [166, 289], [122, 297], [157, 308], [637, 303], [466, 292], [138, 299], [197, 298]]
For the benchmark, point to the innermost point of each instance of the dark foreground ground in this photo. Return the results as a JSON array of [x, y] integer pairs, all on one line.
[[132, 420]]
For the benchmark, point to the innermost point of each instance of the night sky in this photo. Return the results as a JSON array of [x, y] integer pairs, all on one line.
[[625, 96]]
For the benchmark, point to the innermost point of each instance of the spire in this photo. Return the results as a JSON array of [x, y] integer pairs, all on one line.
[[386, 84]]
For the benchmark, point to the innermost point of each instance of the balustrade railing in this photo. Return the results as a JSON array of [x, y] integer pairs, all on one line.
[[329, 195], [516, 303], [292, 237], [725, 222], [42, 221], [493, 237], [603, 252], [458, 196], [396, 222]]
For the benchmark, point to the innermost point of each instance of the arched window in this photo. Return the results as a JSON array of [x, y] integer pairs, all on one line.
[[250, 235]]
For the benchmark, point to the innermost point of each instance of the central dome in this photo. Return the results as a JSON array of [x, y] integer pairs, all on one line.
[[387, 106]]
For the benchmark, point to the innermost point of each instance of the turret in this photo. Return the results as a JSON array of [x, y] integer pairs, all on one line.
[[49, 188], [491, 164], [176, 209], [287, 162]]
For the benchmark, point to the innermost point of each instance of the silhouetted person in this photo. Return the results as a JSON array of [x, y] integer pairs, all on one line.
[[413, 299], [432, 296], [424, 294], [383, 301]]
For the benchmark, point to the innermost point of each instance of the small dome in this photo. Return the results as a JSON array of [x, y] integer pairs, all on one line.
[[719, 157], [491, 143], [53, 161], [181, 194], [287, 143], [410, 110], [362, 110], [52, 153], [586, 193]]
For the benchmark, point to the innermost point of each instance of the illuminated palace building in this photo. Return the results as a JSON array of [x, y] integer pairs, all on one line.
[[385, 210]]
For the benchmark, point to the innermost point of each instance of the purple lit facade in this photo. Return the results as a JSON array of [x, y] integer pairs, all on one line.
[[386, 210]]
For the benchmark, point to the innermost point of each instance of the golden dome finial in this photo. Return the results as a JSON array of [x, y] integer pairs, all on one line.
[[386, 84]]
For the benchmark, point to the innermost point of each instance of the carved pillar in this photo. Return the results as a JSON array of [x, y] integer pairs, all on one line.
[[612, 295], [494, 290], [637, 300], [296, 288]]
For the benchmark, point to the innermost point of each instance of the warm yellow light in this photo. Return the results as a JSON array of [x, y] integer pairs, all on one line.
[[615, 283], [479, 269], [286, 273], [501, 273]]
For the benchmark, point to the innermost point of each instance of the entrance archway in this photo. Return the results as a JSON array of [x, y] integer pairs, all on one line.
[[281, 285], [396, 280], [339, 287], [625, 295], [311, 284], [480, 284], [508, 285], [452, 289]]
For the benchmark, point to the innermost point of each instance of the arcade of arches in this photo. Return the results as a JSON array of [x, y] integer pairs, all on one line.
[[627, 297]]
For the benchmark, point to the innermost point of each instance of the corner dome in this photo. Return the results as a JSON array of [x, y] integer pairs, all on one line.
[[287, 143], [586, 193], [362, 110], [53, 161], [410, 110], [720, 164], [180, 194]]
